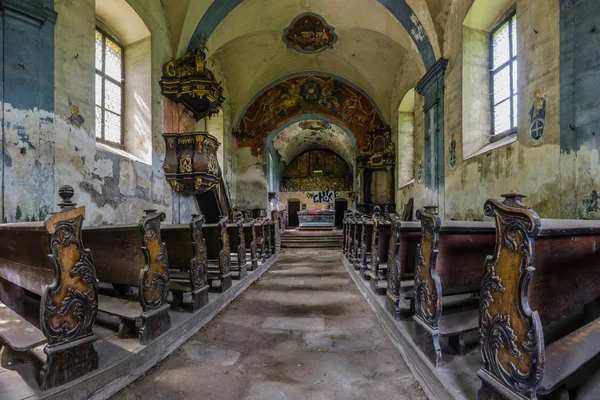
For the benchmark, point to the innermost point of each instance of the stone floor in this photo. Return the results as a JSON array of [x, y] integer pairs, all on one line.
[[302, 331]]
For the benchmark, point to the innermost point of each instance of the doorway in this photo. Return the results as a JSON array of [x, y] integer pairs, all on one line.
[[293, 208], [341, 205]]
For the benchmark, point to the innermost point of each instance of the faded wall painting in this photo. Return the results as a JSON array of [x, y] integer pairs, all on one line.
[[318, 171], [306, 95]]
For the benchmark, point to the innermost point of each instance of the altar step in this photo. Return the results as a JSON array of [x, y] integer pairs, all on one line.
[[312, 239]]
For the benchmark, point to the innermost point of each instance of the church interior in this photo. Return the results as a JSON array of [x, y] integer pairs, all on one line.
[[300, 199]]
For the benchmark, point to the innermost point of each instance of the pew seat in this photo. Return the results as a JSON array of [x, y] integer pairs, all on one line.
[[18, 334], [455, 326], [127, 311], [565, 356]]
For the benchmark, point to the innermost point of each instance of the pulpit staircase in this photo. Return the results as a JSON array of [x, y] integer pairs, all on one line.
[[312, 239]]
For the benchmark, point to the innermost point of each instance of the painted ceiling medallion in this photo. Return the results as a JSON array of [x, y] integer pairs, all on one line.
[[309, 33]]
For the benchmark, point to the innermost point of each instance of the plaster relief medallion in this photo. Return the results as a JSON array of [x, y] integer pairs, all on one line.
[[452, 151], [309, 33], [537, 115]]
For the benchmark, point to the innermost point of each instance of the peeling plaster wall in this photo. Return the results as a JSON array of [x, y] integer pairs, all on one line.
[[530, 166], [114, 186]]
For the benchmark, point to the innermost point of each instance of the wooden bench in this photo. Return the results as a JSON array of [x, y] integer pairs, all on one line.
[[261, 243], [218, 251], [276, 231], [267, 228], [188, 262], [50, 260], [366, 228], [351, 247], [251, 239], [237, 242], [380, 241], [345, 231], [134, 256], [450, 261], [540, 271], [404, 240], [357, 239]]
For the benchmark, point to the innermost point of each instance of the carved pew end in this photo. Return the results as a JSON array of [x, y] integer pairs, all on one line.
[[68, 361], [428, 340], [392, 305], [199, 298]]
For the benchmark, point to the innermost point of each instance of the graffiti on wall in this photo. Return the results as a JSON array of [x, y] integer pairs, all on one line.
[[325, 196]]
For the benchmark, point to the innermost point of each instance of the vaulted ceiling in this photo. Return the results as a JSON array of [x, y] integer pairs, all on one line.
[[383, 47]]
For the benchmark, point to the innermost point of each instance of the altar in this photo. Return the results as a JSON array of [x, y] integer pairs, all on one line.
[[316, 219]]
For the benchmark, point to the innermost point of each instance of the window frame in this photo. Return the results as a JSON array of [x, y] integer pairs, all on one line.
[[513, 56], [121, 84]]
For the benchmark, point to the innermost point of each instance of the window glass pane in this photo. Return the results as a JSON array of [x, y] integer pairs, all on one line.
[[98, 50], [98, 90], [112, 97], [98, 122], [513, 27], [515, 76], [515, 111], [113, 60], [502, 117], [502, 85], [500, 46], [112, 127]]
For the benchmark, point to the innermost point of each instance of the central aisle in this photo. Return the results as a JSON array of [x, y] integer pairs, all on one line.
[[303, 331]]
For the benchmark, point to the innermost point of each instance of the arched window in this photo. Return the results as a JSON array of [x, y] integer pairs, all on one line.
[[489, 84], [406, 132], [109, 89], [123, 81]]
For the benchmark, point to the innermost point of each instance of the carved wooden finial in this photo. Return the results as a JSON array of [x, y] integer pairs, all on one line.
[[514, 198], [66, 192], [431, 209]]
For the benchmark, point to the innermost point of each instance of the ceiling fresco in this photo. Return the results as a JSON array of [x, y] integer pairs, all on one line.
[[302, 136], [303, 95], [310, 34]]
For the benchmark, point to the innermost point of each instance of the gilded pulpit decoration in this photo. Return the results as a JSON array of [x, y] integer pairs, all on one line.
[[309, 33], [187, 81], [376, 163], [191, 165]]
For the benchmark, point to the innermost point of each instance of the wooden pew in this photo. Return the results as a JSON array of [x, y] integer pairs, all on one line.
[[540, 271], [218, 251], [251, 239], [261, 243], [345, 227], [449, 262], [404, 240], [237, 243], [352, 224], [50, 260], [366, 224], [358, 241], [134, 256], [188, 262], [380, 241], [267, 228], [276, 231]]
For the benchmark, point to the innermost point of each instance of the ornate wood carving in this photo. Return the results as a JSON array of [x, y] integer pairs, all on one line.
[[188, 81], [377, 219], [510, 334], [267, 231], [70, 303], [154, 278], [428, 287], [261, 240], [191, 165], [241, 250], [367, 228], [225, 253], [253, 248], [393, 273], [199, 266], [359, 241]]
